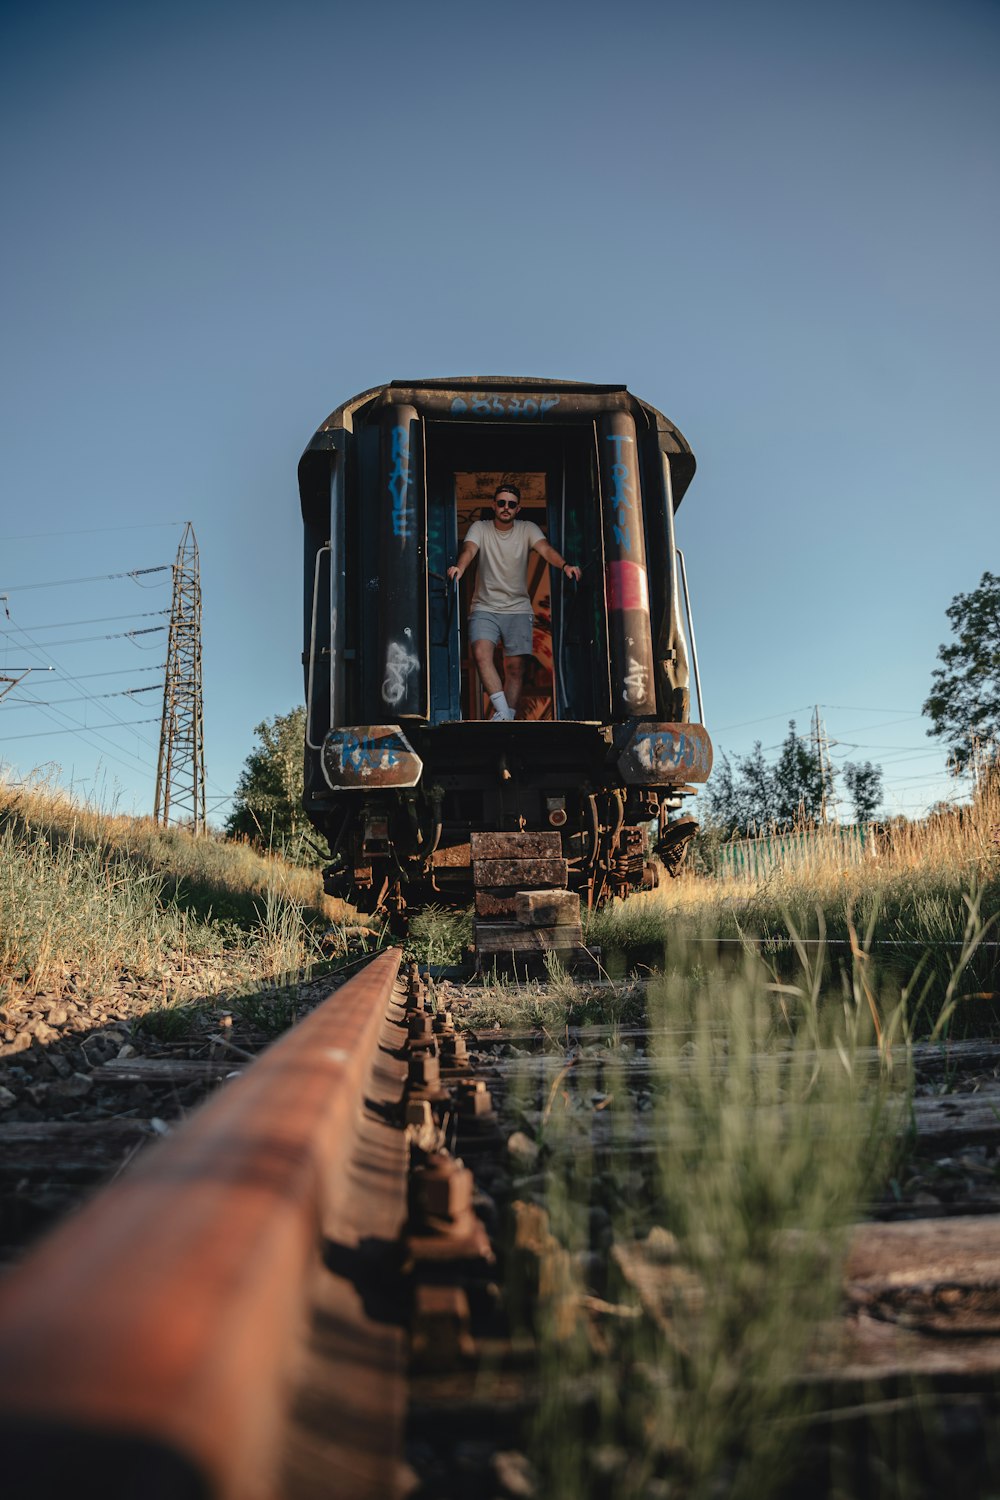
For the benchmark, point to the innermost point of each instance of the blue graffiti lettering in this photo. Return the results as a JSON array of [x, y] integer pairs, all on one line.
[[399, 482], [665, 751], [621, 498], [362, 752], [499, 406]]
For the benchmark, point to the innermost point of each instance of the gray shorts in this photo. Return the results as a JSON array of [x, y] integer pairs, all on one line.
[[516, 631]]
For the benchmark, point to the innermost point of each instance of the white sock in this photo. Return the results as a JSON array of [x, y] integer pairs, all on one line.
[[503, 708]]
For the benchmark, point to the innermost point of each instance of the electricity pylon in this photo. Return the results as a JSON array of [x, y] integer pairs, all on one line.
[[821, 749], [180, 769]]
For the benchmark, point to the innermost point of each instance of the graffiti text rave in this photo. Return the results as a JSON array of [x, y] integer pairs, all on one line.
[[622, 496], [399, 482]]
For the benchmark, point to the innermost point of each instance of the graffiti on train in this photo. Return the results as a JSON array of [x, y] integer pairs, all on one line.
[[371, 755], [662, 752], [622, 497], [503, 406], [400, 665], [399, 482]]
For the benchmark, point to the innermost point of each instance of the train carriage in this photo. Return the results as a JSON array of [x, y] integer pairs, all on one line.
[[403, 765]]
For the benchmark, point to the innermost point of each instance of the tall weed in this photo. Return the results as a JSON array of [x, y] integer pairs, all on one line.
[[911, 895], [679, 1370], [101, 898]]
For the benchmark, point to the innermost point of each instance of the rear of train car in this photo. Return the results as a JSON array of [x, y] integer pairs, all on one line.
[[402, 762]]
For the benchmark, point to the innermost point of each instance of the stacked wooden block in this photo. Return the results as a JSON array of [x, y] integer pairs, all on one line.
[[522, 905]]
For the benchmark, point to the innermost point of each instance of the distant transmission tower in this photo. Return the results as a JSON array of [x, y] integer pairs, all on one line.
[[821, 749], [180, 769]]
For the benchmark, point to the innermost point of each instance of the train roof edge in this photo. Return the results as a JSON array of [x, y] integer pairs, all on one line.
[[671, 439]]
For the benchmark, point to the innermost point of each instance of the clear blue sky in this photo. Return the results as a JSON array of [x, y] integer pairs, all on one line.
[[777, 222]]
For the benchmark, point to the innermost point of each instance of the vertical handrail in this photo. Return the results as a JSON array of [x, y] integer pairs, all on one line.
[[603, 593], [312, 647], [454, 606], [559, 694], [694, 644]]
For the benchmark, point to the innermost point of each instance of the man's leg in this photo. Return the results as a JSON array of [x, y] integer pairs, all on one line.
[[488, 674], [513, 675], [485, 634], [518, 638]]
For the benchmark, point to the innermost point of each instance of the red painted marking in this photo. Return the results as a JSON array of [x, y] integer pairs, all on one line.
[[625, 586]]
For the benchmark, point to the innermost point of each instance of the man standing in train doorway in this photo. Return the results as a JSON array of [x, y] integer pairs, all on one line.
[[501, 608]]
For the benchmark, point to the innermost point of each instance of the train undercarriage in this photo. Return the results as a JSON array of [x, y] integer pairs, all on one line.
[[397, 848]]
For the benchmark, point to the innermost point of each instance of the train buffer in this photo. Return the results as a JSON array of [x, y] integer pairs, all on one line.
[[524, 911]]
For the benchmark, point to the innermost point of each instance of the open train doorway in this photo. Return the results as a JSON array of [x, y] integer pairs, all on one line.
[[555, 471], [473, 496]]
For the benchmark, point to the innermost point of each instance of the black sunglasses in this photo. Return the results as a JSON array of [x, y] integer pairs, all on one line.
[[507, 504]]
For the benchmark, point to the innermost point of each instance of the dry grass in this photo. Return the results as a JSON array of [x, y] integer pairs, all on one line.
[[225, 867], [960, 850], [99, 897], [924, 895]]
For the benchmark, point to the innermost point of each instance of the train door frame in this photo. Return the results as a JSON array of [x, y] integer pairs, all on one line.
[[557, 453], [473, 502]]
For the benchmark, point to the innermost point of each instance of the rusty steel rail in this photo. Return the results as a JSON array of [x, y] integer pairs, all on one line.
[[153, 1345]]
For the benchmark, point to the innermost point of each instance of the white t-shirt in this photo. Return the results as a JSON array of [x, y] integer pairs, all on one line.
[[502, 579]]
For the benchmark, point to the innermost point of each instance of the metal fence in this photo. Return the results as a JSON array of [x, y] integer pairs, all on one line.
[[800, 850]]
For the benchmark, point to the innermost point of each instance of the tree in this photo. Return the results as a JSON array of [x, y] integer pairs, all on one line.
[[964, 702], [268, 807], [748, 792], [756, 790], [738, 797], [754, 793], [799, 784], [864, 783]]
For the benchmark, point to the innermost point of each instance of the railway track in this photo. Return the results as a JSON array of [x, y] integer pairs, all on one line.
[[157, 1340], [340, 1275]]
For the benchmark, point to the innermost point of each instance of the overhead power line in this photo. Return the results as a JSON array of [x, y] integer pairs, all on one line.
[[883, 724], [921, 776], [118, 635], [138, 614], [803, 707], [59, 583], [51, 709], [83, 697], [76, 728], [768, 718], [899, 757], [88, 736], [848, 708], [115, 672], [37, 536]]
